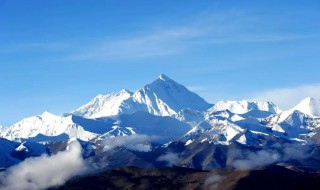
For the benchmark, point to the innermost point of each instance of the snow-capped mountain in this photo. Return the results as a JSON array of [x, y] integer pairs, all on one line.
[[290, 123], [190, 116], [47, 126], [297, 118], [166, 113], [309, 106], [166, 97], [244, 106], [215, 130], [14, 152], [163, 97], [143, 112], [299, 122], [105, 105]]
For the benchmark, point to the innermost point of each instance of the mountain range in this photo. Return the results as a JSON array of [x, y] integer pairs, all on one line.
[[165, 124]]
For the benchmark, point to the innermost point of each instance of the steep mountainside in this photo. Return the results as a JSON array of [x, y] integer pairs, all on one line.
[[164, 123], [309, 106], [49, 127], [104, 105], [163, 97]]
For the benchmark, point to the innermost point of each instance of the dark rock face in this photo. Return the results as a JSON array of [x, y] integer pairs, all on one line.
[[274, 177]]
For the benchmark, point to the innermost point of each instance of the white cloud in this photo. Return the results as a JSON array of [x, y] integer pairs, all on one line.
[[225, 27], [286, 98], [44, 171], [282, 153], [171, 158], [163, 42], [212, 182], [255, 160], [111, 143]]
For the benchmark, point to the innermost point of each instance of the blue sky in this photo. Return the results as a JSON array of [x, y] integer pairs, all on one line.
[[57, 55]]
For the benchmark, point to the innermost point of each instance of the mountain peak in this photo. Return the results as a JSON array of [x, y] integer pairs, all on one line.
[[103, 105], [164, 82], [47, 114], [165, 96], [309, 106], [125, 91], [244, 106], [162, 97], [310, 99], [163, 77]]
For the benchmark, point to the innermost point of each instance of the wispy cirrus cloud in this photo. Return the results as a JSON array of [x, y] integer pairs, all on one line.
[[158, 43], [225, 27], [168, 43], [256, 38], [288, 97], [205, 29]]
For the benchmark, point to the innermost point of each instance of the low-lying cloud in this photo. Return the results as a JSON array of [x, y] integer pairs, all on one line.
[[110, 143], [212, 182], [256, 160], [45, 171], [170, 157], [277, 153]]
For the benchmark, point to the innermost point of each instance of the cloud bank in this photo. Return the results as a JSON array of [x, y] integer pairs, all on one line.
[[44, 171], [254, 160]]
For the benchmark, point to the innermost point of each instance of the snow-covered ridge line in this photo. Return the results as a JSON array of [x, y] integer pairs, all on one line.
[[309, 106], [163, 97], [167, 108], [244, 106]]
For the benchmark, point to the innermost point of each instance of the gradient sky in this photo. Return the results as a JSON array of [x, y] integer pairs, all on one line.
[[57, 55]]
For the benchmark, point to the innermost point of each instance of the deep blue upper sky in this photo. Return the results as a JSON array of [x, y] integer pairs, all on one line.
[[57, 55]]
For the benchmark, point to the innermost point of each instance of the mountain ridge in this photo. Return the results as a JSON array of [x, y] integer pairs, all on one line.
[[165, 97], [162, 97], [164, 117]]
